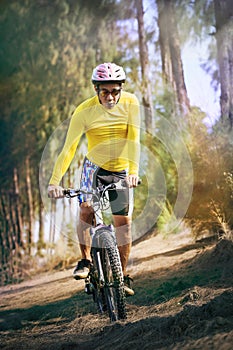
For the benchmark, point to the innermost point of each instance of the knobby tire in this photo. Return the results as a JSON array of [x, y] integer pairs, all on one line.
[[112, 296]]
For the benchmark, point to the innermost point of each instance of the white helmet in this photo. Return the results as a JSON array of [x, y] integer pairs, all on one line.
[[108, 72]]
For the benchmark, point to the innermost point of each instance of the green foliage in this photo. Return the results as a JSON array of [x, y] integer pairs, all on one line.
[[168, 222], [47, 57]]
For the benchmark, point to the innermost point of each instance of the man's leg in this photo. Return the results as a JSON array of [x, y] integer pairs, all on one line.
[[123, 237], [124, 243], [84, 224]]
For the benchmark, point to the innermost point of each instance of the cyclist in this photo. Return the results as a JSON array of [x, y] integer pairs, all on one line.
[[111, 122]]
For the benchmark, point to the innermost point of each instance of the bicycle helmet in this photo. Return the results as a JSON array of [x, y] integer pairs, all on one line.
[[108, 73]]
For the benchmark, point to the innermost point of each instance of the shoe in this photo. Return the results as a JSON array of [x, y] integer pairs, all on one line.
[[127, 286], [82, 269]]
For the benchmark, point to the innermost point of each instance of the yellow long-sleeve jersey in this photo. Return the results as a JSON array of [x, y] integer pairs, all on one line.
[[113, 136]]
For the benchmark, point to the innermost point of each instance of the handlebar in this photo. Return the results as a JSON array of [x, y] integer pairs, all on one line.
[[99, 191]]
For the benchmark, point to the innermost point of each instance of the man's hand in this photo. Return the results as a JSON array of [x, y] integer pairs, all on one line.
[[55, 191], [132, 180]]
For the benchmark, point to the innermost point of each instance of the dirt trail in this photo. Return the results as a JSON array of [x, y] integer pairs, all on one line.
[[183, 300]]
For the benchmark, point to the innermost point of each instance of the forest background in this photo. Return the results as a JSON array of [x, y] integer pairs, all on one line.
[[48, 51]]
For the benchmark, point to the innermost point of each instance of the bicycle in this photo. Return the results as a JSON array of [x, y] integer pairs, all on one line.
[[105, 281]]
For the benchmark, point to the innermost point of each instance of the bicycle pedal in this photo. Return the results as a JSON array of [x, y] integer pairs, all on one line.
[[89, 288]]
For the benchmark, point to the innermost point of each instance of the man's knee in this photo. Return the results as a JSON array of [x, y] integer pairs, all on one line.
[[123, 230], [86, 214]]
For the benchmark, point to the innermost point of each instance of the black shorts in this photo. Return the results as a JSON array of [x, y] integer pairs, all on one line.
[[93, 176]]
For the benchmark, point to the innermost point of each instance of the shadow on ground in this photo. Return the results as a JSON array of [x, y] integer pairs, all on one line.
[[56, 312], [189, 305]]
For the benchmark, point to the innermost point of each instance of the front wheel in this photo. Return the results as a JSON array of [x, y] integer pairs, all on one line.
[[114, 280]]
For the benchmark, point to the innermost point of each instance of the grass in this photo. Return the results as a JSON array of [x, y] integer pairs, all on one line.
[[155, 291]]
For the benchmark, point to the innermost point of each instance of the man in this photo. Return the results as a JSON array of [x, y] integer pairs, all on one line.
[[111, 122]]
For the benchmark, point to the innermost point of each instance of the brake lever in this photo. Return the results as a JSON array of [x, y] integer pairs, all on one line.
[[70, 193], [122, 184]]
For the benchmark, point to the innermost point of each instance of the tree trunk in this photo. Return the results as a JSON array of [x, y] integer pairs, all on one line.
[[171, 54], [30, 206], [224, 37], [19, 220], [52, 228], [177, 65], [41, 243], [4, 228], [6, 240], [144, 60], [164, 44]]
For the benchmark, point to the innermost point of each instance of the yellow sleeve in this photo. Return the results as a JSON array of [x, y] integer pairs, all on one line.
[[74, 133], [134, 137]]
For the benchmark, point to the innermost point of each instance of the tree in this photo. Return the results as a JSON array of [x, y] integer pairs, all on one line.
[[47, 57], [145, 68], [224, 38], [172, 65]]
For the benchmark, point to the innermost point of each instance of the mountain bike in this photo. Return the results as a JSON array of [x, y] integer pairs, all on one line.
[[105, 281]]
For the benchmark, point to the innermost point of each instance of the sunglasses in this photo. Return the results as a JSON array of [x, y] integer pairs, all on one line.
[[105, 92]]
